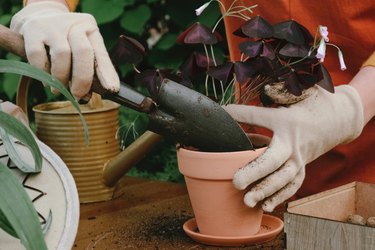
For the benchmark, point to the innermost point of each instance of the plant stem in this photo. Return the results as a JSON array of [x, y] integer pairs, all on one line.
[[208, 66], [230, 86], [135, 69]]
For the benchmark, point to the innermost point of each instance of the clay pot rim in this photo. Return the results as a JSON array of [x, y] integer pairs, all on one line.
[[258, 140], [217, 165]]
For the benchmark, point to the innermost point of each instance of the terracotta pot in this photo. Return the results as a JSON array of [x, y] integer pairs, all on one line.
[[218, 206]]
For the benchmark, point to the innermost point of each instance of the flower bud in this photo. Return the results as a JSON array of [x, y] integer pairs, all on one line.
[[202, 8], [321, 52]]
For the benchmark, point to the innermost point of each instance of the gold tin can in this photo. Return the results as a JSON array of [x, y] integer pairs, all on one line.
[[59, 126]]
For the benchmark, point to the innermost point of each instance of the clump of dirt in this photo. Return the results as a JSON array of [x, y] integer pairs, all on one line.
[[159, 232], [164, 227]]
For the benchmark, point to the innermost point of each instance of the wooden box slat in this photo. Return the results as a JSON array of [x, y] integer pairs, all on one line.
[[319, 221]]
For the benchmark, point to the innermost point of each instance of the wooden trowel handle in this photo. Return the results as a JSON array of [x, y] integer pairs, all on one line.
[[12, 41]]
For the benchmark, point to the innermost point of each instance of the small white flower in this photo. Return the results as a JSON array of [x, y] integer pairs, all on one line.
[[202, 8], [323, 30], [341, 59], [321, 52]]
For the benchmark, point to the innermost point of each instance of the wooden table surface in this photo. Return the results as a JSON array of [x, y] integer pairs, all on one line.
[[147, 214]]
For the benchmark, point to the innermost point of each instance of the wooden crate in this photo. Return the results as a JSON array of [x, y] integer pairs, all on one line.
[[319, 221]]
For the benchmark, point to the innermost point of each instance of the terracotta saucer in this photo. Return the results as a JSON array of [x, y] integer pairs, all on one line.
[[270, 228]]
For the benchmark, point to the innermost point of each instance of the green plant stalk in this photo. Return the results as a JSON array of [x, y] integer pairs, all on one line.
[[21, 68], [23, 219]]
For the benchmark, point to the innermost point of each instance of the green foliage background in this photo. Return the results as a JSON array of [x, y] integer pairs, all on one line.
[[132, 18]]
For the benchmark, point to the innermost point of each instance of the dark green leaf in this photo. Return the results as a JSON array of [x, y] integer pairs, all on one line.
[[105, 11], [5, 19], [134, 20], [182, 13], [210, 15], [10, 85], [167, 41]]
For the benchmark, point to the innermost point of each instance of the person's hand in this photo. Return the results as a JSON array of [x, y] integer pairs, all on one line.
[[301, 133], [74, 42], [14, 111]]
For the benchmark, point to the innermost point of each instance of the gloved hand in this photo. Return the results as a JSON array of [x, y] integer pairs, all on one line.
[[301, 133], [75, 44], [14, 111]]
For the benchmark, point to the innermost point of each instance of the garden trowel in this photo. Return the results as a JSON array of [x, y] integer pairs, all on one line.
[[185, 116]]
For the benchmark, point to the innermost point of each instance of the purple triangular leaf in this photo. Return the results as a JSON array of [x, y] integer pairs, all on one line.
[[256, 27], [182, 79], [326, 82], [268, 51], [307, 79], [308, 72], [189, 67], [238, 32], [149, 79], [294, 50], [250, 48], [127, 50], [195, 65], [268, 67], [292, 83], [289, 30], [181, 37], [222, 72], [203, 61], [244, 71], [165, 73], [179, 77], [198, 33]]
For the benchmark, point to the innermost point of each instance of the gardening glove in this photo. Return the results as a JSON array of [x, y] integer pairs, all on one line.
[[301, 133], [14, 111], [74, 42]]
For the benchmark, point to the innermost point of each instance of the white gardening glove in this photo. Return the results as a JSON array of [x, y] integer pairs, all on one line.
[[75, 45], [14, 111], [301, 133]]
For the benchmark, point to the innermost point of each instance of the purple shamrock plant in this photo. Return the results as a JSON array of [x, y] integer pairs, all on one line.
[[283, 57]]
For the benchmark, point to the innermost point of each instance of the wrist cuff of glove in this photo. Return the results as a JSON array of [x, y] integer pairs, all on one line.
[[72, 4], [35, 10], [370, 61], [351, 103]]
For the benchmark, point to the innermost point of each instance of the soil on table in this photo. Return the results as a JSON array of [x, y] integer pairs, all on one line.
[[150, 216]]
